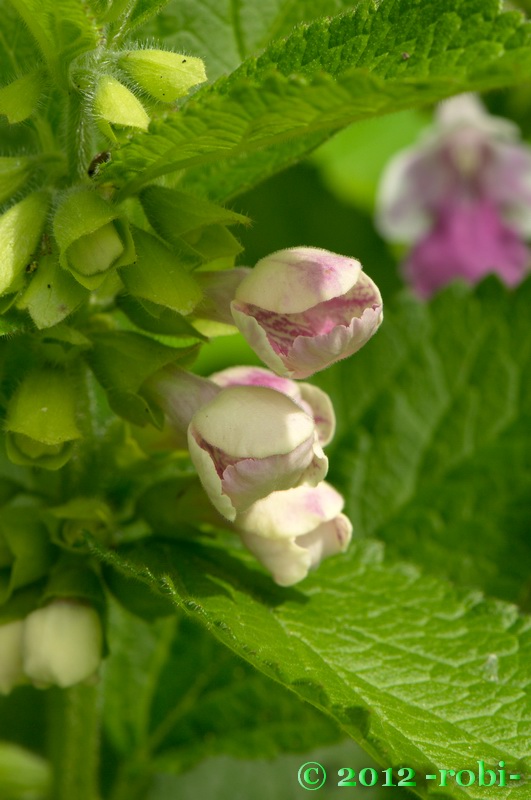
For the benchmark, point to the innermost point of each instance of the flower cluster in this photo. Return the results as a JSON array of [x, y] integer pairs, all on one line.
[[256, 436], [461, 198]]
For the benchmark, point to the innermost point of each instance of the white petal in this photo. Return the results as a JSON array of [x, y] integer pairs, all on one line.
[[209, 477], [62, 643], [297, 511], [287, 562], [253, 422], [291, 281], [322, 411]]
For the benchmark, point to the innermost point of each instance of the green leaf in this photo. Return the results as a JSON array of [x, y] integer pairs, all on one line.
[[429, 412], [417, 672], [226, 32], [164, 712], [333, 72]]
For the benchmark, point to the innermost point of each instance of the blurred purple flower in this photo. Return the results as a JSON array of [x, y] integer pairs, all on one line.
[[462, 198]]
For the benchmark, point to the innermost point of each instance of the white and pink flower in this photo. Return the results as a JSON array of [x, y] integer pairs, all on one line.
[[291, 532], [303, 309], [250, 441], [461, 198]]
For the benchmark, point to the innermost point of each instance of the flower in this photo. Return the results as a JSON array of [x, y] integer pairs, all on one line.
[[250, 441], [303, 309], [462, 198], [291, 532], [62, 643], [10, 655], [310, 398]]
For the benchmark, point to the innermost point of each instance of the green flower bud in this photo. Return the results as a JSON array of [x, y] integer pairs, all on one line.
[[41, 420], [19, 99], [115, 103], [92, 237], [62, 643], [20, 231], [14, 172], [25, 550], [164, 75]]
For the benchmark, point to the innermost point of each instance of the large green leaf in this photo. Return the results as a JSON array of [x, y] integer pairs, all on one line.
[[333, 72], [164, 712], [433, 446], [420, 674]]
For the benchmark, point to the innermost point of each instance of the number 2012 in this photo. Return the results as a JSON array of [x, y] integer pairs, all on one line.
[[369, 777]]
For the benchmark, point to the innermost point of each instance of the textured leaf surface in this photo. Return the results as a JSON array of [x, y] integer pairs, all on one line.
[[164, 709], [333, 72], [434, 440], [418, 673]]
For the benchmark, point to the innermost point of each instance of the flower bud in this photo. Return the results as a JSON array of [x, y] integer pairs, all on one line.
[[164, 75], [310, 398], [19, 99], [92, 238], [41, 423], [291, 532], [115, 103], [250, 441], [62, 643], [11, 672], [20, 231], [14, 172], [303, 309]]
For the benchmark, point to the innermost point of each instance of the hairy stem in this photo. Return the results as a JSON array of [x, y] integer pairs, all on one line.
[[74, 742]]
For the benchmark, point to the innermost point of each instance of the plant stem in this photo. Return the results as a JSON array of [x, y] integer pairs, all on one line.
[[74, 742]]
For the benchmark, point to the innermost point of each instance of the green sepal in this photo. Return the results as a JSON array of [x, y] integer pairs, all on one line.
[[173, 213], [216, 246], [41, 426], [14, 172], [86, 226], [164, 75], [69, 524], [157, 319], [19, 99], [176, 508], [53, 294], [122, 361], [21, 227], [26, 553], [115, 104], [159, 275]]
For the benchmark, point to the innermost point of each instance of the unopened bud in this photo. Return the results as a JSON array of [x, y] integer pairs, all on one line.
[[164, 75], [92, 237], [116, 104], [62, 643], [41, 420]]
